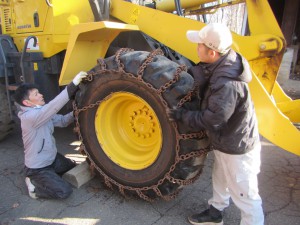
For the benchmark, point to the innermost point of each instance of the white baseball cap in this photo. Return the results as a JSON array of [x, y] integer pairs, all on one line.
[[214, 35]]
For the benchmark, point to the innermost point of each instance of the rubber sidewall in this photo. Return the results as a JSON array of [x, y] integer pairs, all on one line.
[[99, 89]]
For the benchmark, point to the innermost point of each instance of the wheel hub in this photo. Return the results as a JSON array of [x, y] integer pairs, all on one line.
[[128, 131], [142, 123]]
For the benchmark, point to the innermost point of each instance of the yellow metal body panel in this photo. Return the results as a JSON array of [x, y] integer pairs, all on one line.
[[4, 2], [67, 13], [48, 43], [25, 23], [171, 30], [6, 20], [87, 43], [53, 32], [263, 49], [273, 124], [261, 19], [264, 70], [290, 108], [169, 5]]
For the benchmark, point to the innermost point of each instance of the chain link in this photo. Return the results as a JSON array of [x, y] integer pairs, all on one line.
[[179, 69], [199, 135], [101, 64], [141, 190], [188, 97], [118, 56], [148, 60]]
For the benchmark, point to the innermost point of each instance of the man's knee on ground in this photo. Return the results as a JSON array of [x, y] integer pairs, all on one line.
[[64, 192]]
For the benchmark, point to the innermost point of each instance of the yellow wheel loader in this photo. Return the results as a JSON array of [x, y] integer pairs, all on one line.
[[137, 57]]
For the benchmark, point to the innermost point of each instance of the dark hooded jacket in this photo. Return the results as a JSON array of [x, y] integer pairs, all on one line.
[[227, 112]]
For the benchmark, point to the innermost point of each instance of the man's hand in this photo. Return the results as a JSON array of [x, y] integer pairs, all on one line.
[[78, 78], [175, 114]]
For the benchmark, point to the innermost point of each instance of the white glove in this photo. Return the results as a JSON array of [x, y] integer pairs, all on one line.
[[78, 78]]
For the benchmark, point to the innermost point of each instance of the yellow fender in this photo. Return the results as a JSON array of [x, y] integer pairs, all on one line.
[[87, 43]]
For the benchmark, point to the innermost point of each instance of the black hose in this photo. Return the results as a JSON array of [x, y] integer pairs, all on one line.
[[23, 53]]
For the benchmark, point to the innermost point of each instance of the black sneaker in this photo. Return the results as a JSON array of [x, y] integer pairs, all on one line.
[[210, 216]]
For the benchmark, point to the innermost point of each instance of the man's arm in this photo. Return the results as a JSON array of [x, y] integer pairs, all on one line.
[[38, 117], [62, 120], [221, 106]]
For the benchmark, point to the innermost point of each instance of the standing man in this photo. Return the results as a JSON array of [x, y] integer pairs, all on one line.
[[228, 116], [43, 164]]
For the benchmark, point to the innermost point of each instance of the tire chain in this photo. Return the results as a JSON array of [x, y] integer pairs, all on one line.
[[140, 191]]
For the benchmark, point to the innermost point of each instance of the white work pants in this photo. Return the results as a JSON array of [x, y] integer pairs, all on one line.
[[235, 176]]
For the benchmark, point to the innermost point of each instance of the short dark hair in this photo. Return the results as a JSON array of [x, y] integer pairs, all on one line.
[[22, 92]]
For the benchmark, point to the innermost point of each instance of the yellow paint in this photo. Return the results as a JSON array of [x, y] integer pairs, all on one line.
[[273, 124], [171, 30], [169, 5], [289, 107], [87, 43], [24, 21], [128, 131], [55, 23], [35, 67]]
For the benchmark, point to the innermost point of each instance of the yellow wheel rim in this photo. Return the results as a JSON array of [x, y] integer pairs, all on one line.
[[128, 131]]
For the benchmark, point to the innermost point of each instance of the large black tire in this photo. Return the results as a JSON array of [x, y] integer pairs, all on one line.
[[6, 124], [129, 106]]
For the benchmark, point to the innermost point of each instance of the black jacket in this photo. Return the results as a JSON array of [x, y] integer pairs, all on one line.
[[227, 112]]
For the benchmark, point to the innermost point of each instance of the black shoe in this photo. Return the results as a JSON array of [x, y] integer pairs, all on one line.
[[210, 216]]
